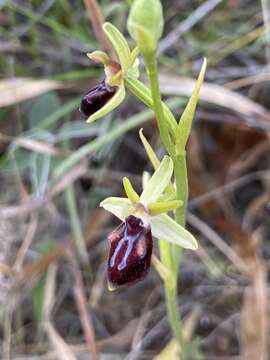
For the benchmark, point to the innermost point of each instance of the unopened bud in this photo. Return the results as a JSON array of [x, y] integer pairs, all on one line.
[[145, 24]]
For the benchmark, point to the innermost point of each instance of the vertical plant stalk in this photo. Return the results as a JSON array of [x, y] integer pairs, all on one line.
[[167, 250]]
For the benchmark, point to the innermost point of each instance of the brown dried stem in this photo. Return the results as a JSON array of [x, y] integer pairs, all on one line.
[[97, 20], [80, 299]]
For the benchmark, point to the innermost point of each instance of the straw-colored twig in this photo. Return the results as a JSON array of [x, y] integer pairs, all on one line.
[[80, 299], [97, 20]]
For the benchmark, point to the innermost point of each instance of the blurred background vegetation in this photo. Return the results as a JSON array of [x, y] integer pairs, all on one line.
[[53, 301]]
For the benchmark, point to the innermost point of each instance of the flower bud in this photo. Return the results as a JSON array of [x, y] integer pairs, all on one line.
[[130, 252], [145, 24], [96, 98]]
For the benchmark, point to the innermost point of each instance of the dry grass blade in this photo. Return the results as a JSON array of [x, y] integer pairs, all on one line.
[[16, 90], [26, 242], [171, 349], [32, 204], [217, 241], [62, 349], [196, 16], [214, 94], [80, 299], [33, 145], [254, 339]]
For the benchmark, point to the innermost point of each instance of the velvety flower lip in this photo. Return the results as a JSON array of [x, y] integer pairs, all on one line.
[[96, 98], [130, 252], [149, 207]]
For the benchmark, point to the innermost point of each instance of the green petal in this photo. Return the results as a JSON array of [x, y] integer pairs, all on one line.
[[154, 159], [120, 45], [149, 151], [110, 105], [145, 179], [163, 207], [185, 123], [117, 206], [158, 182], [165, 228], [131, 193], [99, 57]]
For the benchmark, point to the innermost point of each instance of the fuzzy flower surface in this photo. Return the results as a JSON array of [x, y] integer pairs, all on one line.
[[110, 92], [142, 217]]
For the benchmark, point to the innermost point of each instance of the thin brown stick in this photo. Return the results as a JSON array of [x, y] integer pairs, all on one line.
[[26, 242], [80, 299], [97, 20], [254, 339]]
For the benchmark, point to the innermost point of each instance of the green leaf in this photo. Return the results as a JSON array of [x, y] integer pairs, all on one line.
[[164, 206], [185, 123], [131, 193], [42, 107], [77, 129], [110, 105], [158, 182], [120, 45], [117, 206], [52, 118], [40, 170], [165, 228]]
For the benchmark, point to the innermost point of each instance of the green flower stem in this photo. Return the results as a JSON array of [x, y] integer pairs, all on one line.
[[166, 250], [181, 180], [137, 88], [180, 172], [151, 66]]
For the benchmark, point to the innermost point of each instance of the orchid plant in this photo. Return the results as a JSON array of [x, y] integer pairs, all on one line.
[[160, 210]]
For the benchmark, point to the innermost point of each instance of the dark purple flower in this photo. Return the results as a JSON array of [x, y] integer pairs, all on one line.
[[130, 253], [96, 98]]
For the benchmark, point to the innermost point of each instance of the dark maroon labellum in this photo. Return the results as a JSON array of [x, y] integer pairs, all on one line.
[[130, 252], [96, 98]]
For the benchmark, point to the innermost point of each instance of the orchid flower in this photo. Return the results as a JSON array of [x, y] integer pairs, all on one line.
[[142, 217], [110, 92]]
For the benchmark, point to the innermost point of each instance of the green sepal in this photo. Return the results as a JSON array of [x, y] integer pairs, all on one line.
[[134, 54], [154, 159], [117, 206], [185, 123], [120, 45], [145, 179], [163, 207], [110, 105], [165, 228], [129, 190], [158, 182]]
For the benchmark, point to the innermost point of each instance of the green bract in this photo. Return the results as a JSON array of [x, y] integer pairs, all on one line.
[[145, 24], [185, 123], [151, 209]]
